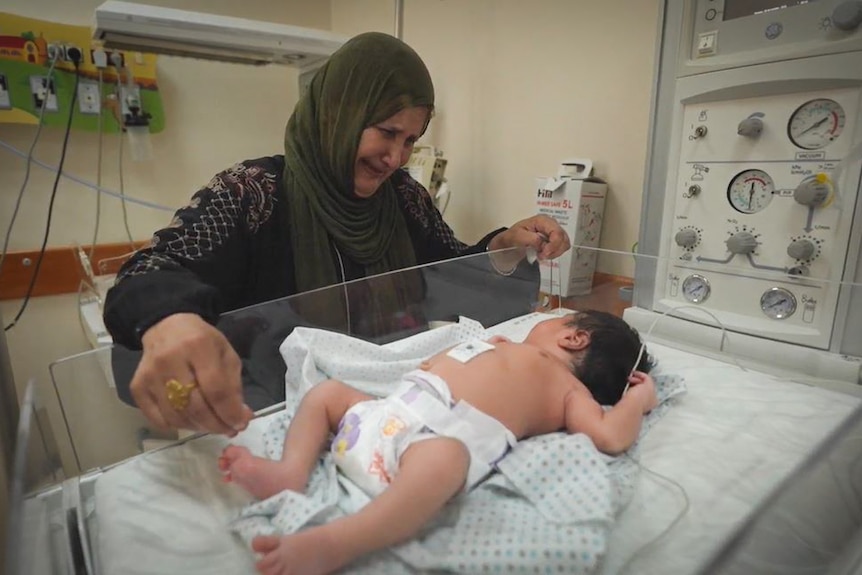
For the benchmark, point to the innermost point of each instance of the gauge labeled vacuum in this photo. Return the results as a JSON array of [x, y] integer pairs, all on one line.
[[816, 124]]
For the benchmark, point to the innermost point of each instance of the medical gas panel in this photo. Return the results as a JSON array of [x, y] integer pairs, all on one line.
[[753, 177]]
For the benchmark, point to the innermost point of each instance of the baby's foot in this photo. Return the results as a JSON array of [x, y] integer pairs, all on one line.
[[259, 476], [309, 552]]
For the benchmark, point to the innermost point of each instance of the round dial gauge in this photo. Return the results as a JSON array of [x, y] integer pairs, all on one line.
[[695, 288], [816, 123], [778, 303], [750, 191]]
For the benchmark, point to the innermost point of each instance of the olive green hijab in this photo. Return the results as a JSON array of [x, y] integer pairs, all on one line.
[[372, 77]]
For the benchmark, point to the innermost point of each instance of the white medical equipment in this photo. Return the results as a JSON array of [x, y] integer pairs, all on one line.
[[158, 30], [427, 165], [752, 183]]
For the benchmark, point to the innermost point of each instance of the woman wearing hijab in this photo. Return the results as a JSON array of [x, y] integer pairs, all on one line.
[[335, 207]]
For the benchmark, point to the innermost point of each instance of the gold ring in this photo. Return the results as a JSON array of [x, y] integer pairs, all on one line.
[[178, 393]]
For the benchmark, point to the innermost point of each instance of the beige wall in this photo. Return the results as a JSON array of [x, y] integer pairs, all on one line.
[[520, 86]]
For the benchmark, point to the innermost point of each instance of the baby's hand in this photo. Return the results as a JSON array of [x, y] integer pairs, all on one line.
[[643, 386]]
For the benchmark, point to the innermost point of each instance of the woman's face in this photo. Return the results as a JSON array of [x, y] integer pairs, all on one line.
[[385, 147]]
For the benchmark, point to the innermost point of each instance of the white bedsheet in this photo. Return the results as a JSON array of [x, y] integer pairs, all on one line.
[[728, 441]]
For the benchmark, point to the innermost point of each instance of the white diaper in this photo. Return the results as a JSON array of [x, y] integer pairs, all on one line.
[[373, 435]]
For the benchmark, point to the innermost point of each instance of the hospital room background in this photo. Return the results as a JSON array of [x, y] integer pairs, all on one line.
[[520, 87], [584, 67]]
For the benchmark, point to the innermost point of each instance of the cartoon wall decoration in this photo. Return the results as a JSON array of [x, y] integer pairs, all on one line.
[[117, 86]]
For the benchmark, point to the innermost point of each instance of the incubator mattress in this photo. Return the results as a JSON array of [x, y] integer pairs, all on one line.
[[727, 441]]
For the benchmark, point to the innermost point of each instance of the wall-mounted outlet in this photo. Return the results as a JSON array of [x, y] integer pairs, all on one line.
[[99, 58], [5, 99], [116, 59], [55, 52], [43, 93], [128, 96], [71, 53], [89, 99]]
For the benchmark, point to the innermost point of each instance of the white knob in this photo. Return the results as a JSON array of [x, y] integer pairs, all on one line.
[[801, 249], [741, 243], [812, 192], [750, 127], [686, 238], [848, 15]]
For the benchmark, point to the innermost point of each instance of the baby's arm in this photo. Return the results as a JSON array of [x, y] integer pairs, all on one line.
[[612, 431]]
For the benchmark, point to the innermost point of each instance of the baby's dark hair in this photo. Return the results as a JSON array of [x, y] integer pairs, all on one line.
[[614, 346]]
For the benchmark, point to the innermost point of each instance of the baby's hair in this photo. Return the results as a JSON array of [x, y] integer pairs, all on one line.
[[607, 362]]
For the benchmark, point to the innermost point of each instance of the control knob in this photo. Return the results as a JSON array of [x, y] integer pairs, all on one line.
[[848, 15], [751, 127], [801, 249], [812, 192], [686, 238], [741, 243]]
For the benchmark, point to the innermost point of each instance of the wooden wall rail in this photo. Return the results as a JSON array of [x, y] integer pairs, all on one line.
[[61, 271]]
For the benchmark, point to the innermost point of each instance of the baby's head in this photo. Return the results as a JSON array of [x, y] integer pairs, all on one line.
[[600, 347]]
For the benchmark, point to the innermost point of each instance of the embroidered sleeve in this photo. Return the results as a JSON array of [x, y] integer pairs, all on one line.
[[422, 213], [238, 199], [198, 264]]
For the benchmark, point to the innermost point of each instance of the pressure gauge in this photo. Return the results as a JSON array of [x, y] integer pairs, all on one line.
[[778, 303], [695, 288], [750, 191], [816, 123]]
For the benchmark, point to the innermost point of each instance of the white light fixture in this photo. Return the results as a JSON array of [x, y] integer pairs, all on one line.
[[156, 30]]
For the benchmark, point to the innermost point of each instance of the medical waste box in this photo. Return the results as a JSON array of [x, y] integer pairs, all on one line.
[[576, 199]]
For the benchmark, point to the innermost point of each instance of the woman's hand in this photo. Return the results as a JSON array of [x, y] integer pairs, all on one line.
[[541, 233], [185, 348]]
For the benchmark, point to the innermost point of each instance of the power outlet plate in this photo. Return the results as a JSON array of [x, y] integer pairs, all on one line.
[[89, 99], [5, 99], [124, 98], [43, 91]]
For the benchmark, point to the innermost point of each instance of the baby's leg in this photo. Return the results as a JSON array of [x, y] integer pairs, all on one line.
[[318, 415], [430, 473]]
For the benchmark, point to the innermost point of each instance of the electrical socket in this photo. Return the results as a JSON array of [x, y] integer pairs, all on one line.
[[99, 58], [113, 56], [55, 51], [43, 91], [5, 101], [124, 98], [67, 53], [89, 99]]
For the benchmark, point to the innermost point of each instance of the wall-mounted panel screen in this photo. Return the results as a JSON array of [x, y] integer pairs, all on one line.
[[741, 8]]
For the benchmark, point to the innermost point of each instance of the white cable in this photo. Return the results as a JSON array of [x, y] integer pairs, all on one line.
[[85, 183], [344, 286], [29, 160], [668, 311], [679, 487], [670, 526], [123, 192], [98, 171], [117, 61]]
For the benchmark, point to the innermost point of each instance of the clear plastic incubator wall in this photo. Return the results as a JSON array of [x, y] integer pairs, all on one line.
[[712, 485]]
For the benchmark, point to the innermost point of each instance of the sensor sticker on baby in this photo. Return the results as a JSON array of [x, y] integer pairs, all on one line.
[[468, 350]]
